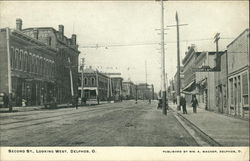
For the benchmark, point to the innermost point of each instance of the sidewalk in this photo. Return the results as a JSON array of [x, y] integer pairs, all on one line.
[[227, 131]]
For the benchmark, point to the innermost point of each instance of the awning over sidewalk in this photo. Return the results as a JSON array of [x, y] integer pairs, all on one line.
[[189, 87]]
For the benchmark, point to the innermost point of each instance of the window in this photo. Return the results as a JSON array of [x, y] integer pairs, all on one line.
[[20, 67], [93, 81], [245, 89], [231, 91], [12, 56], [17, 58], [85, 81]]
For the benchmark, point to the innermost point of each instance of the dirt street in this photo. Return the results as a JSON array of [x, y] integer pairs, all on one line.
[[114, 124]]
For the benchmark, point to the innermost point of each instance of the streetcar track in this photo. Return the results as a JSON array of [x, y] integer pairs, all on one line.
[[68, 115]]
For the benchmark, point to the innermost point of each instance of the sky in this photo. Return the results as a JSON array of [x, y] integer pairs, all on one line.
[[127, 31]]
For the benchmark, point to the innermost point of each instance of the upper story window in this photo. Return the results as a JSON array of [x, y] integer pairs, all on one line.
[[93, 81], [85, 81]]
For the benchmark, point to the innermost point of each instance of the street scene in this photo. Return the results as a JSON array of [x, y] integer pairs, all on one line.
[[150, 73]]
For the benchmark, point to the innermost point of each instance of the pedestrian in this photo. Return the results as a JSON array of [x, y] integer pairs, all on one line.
[[194, 103], [183, 104]]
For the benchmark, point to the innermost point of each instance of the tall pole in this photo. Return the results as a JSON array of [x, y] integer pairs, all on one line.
[[178, 64], [163, 62], [216, 39], [71, 79], [146, 77], [82, 67]]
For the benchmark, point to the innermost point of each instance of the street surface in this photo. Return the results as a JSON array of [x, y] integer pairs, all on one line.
[[113, 124]]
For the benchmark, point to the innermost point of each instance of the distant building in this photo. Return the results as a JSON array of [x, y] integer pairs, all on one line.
[[128, 90], [96, 86], [238, 75], [116, 88], [174, 83], [145, 91]]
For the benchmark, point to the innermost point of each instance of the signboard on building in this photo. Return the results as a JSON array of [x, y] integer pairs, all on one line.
[[205, 69]]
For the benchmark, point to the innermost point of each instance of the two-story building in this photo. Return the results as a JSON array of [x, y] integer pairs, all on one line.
[[27, 67], [238, 75], [96, 85]]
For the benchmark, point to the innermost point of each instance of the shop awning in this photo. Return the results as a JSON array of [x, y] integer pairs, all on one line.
[[190, 87]]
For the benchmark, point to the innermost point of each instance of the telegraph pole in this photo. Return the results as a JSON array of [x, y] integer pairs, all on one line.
[[82, 70], [178, 64], [178, 92], [71, 81], [216, 41], [146, 77], [164, 111]]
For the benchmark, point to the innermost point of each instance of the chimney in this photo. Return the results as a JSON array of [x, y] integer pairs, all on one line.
[[73, 39], [19, 24], [35, 33], [61, 30]]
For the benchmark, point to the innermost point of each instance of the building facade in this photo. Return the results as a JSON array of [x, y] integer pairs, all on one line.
[[221, 85], [188, 72], [116, 88], [96, 86], [39, 65], [66, 59], [128, 90], [238, 75], [27, 68]]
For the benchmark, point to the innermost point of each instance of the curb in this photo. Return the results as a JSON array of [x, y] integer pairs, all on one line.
[[201, 133]]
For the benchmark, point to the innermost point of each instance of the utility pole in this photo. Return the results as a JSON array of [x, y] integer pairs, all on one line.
[[178, 90], [136, 89], [71, 81], [216, 41], [164, 111], [146, 77], [82, 70]]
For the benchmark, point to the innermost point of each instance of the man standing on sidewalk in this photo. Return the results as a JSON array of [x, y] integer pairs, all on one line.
[[183, 104], [194, 103]]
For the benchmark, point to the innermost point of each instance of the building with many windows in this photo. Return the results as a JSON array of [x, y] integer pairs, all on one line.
[[37, 65], [27, 68], [238, 75], [66, 59]]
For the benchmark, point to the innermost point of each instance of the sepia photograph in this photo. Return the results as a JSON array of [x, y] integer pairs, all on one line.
[[86, 80]]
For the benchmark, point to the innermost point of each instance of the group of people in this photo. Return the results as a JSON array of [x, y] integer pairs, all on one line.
[[194, 103]]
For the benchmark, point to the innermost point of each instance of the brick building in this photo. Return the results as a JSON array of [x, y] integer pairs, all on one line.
[[27, 68], [128, 90], [238, 75], [66, 58], [34, 65], [96, 85]]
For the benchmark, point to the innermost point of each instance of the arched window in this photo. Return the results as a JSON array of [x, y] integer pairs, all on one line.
[[93, 81], [17, 58], [85, 81]]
